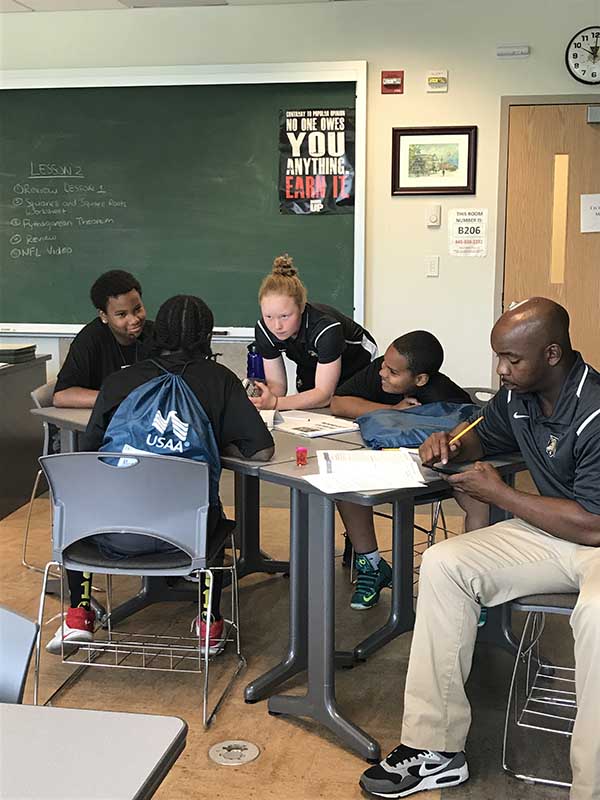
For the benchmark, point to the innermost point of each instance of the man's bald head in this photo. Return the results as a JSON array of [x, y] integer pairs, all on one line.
[[533, 345], [539, 320]]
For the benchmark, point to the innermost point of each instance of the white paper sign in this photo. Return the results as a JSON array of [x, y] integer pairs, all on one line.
[[467, 232], [590, 213]]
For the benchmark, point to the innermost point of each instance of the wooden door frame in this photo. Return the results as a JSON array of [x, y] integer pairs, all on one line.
[[506, 103]]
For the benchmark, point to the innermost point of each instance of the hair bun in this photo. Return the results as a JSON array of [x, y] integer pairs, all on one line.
[[284, 265]]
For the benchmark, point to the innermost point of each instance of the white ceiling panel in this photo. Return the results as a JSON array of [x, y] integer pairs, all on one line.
[[171, 3], [73, 5], [8, 6]]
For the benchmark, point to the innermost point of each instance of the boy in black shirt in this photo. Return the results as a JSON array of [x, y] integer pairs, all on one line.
[[181, 341], [110, 342], [407, 375]]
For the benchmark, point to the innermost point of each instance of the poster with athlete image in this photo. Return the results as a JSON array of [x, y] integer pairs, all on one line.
[[316, 161]]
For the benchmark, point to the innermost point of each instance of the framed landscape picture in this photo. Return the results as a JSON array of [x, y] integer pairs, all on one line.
[[434, 160]]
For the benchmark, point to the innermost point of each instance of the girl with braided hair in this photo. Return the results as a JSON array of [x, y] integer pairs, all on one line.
[[327, 346], [180, 345]]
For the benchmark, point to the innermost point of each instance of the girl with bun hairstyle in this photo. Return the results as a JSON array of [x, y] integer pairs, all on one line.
[[327, 346]]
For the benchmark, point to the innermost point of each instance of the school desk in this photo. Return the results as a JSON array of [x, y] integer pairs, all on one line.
[[135, 751]]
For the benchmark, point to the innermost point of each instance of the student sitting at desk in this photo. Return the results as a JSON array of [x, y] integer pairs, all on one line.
[[549, 409], [111, 341], [181, 344], [327, 346], [407, 375]]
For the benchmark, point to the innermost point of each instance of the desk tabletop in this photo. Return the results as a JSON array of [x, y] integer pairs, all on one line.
[[285, 451], [38, 752], [73, 419]]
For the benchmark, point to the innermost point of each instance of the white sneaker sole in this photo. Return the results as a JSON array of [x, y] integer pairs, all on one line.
[[56, 646], [438, 781]]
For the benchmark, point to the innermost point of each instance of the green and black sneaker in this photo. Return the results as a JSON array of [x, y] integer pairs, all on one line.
[[369, 582]]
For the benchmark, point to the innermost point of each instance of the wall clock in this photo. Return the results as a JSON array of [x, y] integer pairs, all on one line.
[[582, 55]]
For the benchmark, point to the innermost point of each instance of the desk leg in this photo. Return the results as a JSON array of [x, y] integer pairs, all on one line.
[[247, 514], [402, 615], [296, 658], [68, 441], [319, 703]]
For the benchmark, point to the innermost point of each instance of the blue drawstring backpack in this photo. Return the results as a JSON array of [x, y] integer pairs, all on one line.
[[411, 426], [165, 417]]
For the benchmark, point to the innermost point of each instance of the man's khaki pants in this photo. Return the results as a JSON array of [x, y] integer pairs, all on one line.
[[485, 568]]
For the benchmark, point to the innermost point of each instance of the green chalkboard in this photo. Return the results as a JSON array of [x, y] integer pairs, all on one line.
[[177, 184]]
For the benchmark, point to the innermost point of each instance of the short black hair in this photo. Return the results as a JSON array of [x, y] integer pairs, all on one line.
[[422, 351], [184, 322], [112, 284]]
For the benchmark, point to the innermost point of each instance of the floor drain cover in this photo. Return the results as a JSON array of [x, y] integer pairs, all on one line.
[[234, 752]]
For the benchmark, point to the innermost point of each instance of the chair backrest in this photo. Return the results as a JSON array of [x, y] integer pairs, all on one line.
[[17, 638], [480, 395], [160, 496], [42, 396]]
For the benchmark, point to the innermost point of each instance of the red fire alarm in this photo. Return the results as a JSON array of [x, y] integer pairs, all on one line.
[[392, 81]]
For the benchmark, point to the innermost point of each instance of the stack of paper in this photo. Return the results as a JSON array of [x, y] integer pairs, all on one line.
[[304, 423], [365, 470], [17, 353]]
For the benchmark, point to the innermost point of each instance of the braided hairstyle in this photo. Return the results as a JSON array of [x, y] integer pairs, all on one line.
[[184, 322], [283, 279]]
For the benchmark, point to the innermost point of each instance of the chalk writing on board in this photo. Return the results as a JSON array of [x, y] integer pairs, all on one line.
[[47, 210]]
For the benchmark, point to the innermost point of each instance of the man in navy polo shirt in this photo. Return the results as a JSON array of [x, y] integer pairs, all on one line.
[[549, 409]]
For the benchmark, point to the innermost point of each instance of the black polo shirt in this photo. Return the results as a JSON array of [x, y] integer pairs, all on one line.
[[325, 334], [367, 385], [562, 451], [95, 353], [233, 417]]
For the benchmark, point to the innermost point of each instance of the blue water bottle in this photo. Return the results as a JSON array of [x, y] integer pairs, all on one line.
[[255, 369]]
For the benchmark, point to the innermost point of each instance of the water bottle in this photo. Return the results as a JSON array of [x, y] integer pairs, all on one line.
[[255, 369]]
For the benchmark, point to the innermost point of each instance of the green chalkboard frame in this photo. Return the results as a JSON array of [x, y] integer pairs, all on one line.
[[353, 72]]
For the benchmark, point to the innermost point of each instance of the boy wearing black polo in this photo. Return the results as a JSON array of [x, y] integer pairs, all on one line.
[[407, 375]]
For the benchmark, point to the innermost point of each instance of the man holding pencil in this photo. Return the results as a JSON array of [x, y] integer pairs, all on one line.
[[548, 408]]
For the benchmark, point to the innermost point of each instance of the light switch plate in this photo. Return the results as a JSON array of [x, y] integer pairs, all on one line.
[[432, 266]]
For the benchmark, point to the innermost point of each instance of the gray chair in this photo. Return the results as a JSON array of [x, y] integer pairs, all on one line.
[[480, 395], [17, 638], [541, 695], [42, 398], [161, 497]]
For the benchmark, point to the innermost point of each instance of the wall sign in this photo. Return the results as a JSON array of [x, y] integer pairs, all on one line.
[[316, 161], [467, 232], [590, 213]]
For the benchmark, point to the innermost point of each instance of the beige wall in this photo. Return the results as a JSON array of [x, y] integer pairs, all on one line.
[[458, 35]]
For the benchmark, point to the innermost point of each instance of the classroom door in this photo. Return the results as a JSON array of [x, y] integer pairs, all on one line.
[[554, 158]]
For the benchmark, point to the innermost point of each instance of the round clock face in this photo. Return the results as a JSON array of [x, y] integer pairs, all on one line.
[[583, 55]]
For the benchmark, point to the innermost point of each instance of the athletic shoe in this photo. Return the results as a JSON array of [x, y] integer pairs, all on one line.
[[407, 771], [216, 642], [369, 582], [482, 617], [78, 626]]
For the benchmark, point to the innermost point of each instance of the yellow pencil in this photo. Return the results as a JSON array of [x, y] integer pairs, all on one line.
[[460, 434]]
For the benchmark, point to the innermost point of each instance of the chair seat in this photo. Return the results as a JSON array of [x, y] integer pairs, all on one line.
[[85, 554], [550, 603]]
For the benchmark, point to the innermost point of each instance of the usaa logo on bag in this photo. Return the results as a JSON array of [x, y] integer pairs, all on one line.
[[161, 424]]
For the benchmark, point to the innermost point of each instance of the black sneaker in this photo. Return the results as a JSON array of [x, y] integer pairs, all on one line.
[[407, 771], [369, 582]]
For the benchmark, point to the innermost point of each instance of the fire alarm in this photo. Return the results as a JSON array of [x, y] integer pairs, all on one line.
[[392, 81]]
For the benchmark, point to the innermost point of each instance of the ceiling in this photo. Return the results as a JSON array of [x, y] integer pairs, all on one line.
[[27, 6]]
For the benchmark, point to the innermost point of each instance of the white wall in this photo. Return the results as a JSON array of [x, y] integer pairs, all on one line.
[[414, 35]]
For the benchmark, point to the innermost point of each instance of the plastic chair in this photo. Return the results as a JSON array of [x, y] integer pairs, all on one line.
[[543, 698], [17, 638], [161, 497], [480, 395], [42, 398]]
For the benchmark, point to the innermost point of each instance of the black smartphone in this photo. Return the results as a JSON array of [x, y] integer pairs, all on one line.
[[447, 469]]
